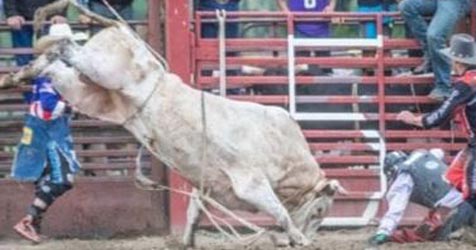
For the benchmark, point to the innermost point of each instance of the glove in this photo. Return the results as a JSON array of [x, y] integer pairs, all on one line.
[[378, 239]]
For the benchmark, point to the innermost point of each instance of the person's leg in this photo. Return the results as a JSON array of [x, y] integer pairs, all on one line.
[[461, 216], [413, 12], [23, 38], [370, 28], [56, 180], [448, 13], [126, 12]]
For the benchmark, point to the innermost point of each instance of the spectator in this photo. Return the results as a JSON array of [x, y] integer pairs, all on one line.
[[418, 178], [210, 30], [374, 6], [2, 13], [311, 29], [123, 8], [432, 36], [45, 154], [18, 12]]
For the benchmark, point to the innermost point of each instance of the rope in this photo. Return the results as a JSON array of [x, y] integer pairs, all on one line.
[[417, 104], [141, 107], [204, 141]]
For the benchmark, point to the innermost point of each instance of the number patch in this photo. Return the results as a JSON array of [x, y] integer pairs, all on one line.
[[27, 135], [310, 4]]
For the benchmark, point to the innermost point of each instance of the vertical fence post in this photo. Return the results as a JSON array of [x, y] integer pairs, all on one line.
[[381, 74], [473, 18], [154, 31], [179, 59]]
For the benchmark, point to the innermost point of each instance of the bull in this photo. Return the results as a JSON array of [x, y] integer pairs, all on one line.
[[245, 156]]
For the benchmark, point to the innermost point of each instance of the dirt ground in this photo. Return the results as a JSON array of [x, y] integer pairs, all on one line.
[[326, 240]]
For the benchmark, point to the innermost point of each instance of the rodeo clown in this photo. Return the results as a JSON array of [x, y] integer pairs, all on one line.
[[461, 104], [419, 178], [45, 153]]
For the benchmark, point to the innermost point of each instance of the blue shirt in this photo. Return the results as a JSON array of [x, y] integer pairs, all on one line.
[[310, 29]]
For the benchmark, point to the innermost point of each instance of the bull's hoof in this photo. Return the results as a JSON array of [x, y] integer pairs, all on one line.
[[280, 240], [298, 239]]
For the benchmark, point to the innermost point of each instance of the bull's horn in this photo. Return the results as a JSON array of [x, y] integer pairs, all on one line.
[[335, 185]]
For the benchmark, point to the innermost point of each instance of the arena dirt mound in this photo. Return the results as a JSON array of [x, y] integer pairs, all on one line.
[[206, 240]]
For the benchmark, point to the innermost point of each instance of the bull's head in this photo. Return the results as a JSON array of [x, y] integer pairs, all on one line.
[[309, 215]]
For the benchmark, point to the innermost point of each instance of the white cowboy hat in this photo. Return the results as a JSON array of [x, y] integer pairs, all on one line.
[[56, 33]]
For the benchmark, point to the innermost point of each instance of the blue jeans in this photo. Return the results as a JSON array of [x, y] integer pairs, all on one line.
[[210, 30], [42, 142], [125, 12], [23, 38], [433, 36]]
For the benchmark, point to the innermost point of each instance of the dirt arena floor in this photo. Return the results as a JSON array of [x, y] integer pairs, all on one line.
[[326, 240]]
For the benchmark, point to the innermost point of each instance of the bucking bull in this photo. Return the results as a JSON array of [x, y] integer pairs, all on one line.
[[244, 155]]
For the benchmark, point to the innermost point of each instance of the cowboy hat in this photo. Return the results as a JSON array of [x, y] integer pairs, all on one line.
[[462, 49], [57, 33]]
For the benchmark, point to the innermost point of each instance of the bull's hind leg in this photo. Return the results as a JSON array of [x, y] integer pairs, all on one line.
[[255, 189], [193, 214]]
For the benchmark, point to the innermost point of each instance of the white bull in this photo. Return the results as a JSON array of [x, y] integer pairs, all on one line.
[[245, 155]]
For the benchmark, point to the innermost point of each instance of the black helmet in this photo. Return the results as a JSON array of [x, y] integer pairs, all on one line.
[[392, 163]]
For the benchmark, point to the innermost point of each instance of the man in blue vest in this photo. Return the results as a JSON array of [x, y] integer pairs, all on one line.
[[419, 178]]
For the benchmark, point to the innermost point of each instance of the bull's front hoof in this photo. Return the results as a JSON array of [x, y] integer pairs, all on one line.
[[280, 240], [298, 239]]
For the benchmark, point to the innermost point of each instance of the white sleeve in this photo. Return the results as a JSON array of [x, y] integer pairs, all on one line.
[[397, 197]]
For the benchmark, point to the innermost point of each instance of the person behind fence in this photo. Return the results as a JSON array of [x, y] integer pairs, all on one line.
[[313, 29], [418, 178], [210, 30], [123, 8], [432, 36], [45, 153], [18, 12]]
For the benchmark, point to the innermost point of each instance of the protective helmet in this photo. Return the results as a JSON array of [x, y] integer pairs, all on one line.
[[392, 163]]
